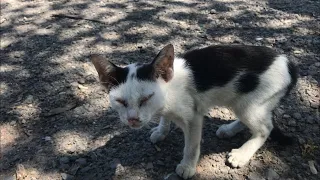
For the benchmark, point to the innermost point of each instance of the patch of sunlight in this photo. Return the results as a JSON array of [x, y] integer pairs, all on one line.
[[72, 142], [8, 68], [25, 171], [6, 41], [8, 136], [4, 89], [27, 110]]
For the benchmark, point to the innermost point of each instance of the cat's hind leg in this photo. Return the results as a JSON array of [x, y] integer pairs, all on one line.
[[229, 130], [160, 132], [258, 120]]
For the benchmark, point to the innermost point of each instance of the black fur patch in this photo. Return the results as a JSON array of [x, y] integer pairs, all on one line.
[[121, 75], [145, 72], [217, 65], [247, 82]]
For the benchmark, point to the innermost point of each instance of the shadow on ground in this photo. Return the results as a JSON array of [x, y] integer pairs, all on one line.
[[44, 67]]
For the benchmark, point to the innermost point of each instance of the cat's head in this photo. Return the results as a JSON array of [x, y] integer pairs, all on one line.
[[134, 90]]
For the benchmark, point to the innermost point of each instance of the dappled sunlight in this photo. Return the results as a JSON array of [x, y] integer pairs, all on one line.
[[8, 136], [72, 142], [53, 106]]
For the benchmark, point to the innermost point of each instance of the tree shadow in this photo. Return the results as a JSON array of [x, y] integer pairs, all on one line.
[[43, 60]]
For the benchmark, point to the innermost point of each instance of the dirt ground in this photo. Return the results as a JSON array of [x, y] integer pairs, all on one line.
[[55, 119]]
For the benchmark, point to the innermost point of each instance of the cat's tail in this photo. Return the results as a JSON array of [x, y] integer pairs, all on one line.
[[278, 136]]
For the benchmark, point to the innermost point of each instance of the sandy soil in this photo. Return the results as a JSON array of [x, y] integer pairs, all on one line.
[[55, 119]]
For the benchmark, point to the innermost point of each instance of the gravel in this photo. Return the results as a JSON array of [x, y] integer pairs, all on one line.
[[55, 116]]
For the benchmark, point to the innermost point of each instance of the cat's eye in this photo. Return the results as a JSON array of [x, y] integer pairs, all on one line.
[[145, 99], [123, 102]]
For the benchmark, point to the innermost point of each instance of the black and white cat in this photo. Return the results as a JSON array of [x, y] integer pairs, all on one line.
[[250, 80]]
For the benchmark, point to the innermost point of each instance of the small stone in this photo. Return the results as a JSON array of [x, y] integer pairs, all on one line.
[[29, 99], [272, 175], [297, 52], [81, 81], [317, 64], [12, 123], [297, 115], [310, 119], [47, 138], [64, 166], [157, 148], [23, 121], [279, 112], [213, 11], [255, 176], [82, 87], [85, 169], [64, 160], [259, 38], [66, 176], [160, 163], [286, 116], [82, 161], [301, 141], [149, 165], [312, 167], [292, 122]]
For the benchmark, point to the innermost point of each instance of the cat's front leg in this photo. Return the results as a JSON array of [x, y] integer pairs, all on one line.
[[160, 132], [192, 137]]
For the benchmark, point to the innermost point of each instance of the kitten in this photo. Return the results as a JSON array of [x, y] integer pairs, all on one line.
[[250, 80]]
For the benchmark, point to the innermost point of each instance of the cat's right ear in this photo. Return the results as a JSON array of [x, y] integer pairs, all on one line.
[[163, 63], [107, 70]]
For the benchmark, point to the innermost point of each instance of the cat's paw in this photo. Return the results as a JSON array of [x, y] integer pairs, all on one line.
[[225, 131], [157, 135], [185, 171], [238, 158]]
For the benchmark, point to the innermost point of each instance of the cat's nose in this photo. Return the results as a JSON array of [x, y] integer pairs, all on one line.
[[133, 121]]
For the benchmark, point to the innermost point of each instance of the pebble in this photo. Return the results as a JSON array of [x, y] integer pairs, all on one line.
[[292, 122], [12, 123], [213, 11], [297, 115], [255, 176], [149, 165], [64, 160], [82, 161], [81, 81], [66, 176], [259, 38], [272, 175], [286, 116], [85, 169], [312, 167], [29, 99], [47, 138], [310, 119]]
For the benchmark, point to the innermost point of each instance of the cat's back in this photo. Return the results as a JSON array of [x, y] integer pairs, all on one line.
[[217, 65]]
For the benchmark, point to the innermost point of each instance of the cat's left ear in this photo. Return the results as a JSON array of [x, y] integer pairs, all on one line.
[[163, 63]]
